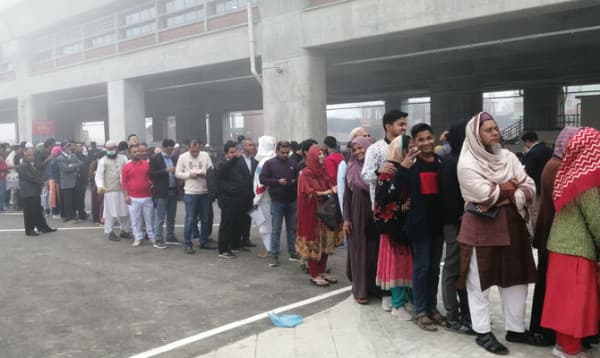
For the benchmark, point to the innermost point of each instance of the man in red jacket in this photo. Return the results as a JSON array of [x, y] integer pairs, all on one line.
[[135, 182]]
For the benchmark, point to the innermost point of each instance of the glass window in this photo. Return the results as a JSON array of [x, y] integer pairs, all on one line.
[[140, 16], [71, 49], [140, 30], [103, 40]]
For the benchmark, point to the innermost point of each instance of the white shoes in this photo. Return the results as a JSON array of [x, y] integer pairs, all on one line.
[[136, 243], [558, 352], [402, 314], [386, 303]]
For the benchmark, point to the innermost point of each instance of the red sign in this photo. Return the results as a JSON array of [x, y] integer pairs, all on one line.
[[43, 128]]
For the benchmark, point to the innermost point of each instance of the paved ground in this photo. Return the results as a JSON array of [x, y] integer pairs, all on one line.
[[349, 330], [75, 294]]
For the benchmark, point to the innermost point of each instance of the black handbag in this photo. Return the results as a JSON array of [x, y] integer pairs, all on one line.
[[329, 212]]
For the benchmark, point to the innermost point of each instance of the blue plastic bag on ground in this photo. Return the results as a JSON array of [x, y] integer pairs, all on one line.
[[285, 320]]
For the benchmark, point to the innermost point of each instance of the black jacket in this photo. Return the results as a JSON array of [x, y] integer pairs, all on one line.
[[535, 160], [30, 180], [234, 183], [159, 176], [452, 200]]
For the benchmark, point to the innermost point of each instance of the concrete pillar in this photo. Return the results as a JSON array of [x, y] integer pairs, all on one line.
[[126, 110], [541, 107], [30, 108], [590, 111], [294, 79], [396, 102], [449, 106], [215, 129]]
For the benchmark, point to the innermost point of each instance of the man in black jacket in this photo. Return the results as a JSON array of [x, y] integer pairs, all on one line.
[[536, 157], [248, 153], [31, 182], [235, 196], [164, 192]]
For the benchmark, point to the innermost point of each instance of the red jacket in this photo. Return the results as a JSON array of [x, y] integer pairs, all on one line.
[[332, 162]]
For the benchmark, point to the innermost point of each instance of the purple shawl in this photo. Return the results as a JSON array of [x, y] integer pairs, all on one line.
[[563, 139], [353, 177]]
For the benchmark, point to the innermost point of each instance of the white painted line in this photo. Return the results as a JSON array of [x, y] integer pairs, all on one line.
[[11, 214], [212, 332], [75, 228]]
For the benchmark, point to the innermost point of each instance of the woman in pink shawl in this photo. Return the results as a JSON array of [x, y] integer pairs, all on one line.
[[363, 241]]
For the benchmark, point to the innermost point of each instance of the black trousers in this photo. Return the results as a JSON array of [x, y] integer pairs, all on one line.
[[538, 297], [79, 201], [230, 230], [246, 222], [68, 199], [33, 214]]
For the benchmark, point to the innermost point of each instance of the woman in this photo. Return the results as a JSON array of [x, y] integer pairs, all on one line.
[[315, 241], [262, 199], [544, 336], [394, 265], [571, 301], [494, 236], [363, 241]]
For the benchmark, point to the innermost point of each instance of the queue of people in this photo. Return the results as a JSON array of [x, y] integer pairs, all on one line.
[[394, 203]]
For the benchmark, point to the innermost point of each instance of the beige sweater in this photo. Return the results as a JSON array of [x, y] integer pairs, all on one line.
[[187, 164]]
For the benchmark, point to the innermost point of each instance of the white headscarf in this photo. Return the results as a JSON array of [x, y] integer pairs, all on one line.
[[266, 148], [480, 172]]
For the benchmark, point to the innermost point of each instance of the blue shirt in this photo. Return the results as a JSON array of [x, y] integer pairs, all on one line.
[[169, 164]]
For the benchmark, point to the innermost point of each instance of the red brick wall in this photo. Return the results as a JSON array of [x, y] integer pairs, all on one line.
[[179, 32], [143, 41], [236, 18], [70, 59], [100, 52]]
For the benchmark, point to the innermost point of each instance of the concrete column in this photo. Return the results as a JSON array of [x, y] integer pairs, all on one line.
[[294, 79], [590, 111], [30, 108], [126, 109], [448, 107], [541, 107], [396, 102], [215, 129]]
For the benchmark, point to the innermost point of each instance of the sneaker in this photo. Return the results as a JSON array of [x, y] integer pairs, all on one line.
[[158, 244], [113, 237], [386, 303], [227, 255], [136, 243], [173, 241], [402, 314], [458, 327], [274, 261], [294, 258]]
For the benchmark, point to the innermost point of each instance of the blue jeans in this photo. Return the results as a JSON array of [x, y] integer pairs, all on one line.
[[165, 208], [2, 193], [196, 205], [279, 210], [427, 253]]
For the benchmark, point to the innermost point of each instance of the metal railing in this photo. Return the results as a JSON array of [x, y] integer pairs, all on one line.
[[514, 130], [145, 25]]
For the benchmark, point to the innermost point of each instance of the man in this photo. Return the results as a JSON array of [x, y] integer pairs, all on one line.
[[280, 175], [305, 145], [333, 159], [535, 158], [31, 182], [82, 180], [235, 196], [296, 153], [164, 191], [3, 172], [135, 183], [143, 151], [395, 123], [192, 167], [68, 165], [495, 248], [108, 182], [249, 151], [132, 140]]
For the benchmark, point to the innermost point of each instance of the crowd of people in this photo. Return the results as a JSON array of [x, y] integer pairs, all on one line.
[[394, 203]]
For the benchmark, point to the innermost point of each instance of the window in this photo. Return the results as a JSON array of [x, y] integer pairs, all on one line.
[[185, 18], [70, 49], [42, 56], [140, 16], [103, 40], [140, 30], [225, 6]]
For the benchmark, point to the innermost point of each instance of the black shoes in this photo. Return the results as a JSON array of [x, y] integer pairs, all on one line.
[[227, 255], [489, 342], [458, 327], [533, 339], [113, 237], [47, 230], [208, 246], [32, 233], [249, 244]]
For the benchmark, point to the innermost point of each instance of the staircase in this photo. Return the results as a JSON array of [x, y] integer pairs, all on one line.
[[511, 133]]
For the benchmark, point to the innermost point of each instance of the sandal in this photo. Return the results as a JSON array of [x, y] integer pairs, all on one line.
[[362, 301], [489, 342], [319, 281], [329, 278], [437, 318], [425, 323]]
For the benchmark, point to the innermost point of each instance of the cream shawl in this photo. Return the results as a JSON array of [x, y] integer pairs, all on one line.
[[480, 173]]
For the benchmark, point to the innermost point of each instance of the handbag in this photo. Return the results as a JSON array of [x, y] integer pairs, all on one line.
[[490, 214], [329, 212]]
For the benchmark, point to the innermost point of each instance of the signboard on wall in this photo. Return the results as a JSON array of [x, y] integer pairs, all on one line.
[[41, 130]]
